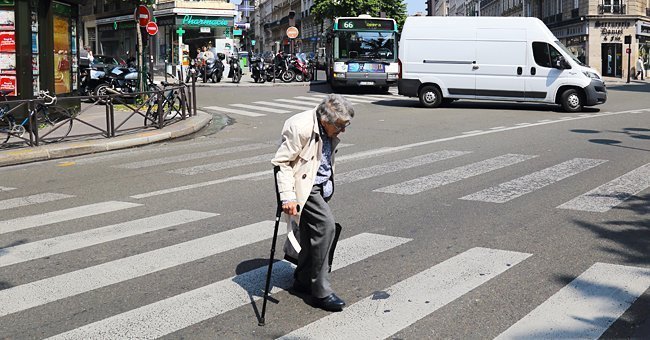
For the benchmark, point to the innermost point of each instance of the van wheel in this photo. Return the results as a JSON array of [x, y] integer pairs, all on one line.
[[572, 100], [430, 96]]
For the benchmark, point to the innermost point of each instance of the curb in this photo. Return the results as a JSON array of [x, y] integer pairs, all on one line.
[[266, 84], [67, 149]]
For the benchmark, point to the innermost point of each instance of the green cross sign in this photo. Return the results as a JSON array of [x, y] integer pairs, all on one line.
[[180, 30]]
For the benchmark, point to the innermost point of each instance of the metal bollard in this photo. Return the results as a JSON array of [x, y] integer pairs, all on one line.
[[194, 96]]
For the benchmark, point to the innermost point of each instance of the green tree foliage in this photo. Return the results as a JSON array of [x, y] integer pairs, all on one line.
[[330, 9]]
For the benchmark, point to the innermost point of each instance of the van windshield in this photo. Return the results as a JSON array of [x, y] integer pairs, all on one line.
[[365, 46], [569, 53]]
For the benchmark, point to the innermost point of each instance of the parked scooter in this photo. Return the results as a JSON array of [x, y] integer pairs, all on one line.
[[280, 69], [214, 68], [258, 70], [235, 69], [299, 66]]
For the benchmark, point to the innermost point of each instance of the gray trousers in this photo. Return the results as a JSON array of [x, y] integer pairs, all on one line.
[[317, 229]]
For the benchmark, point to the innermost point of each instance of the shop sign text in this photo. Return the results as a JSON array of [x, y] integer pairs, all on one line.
[[189, 20], [612, 30]]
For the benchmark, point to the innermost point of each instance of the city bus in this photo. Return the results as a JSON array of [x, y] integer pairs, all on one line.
[[362, 51]]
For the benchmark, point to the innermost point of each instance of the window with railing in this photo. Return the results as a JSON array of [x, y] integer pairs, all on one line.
[[611, 6]]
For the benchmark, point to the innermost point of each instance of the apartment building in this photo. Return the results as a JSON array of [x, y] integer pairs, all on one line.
[[594, 30]]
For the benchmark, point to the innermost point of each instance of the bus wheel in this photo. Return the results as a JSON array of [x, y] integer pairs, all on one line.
[[430, 96]]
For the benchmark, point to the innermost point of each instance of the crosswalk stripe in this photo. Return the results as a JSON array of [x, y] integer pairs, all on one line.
[[358, 100], [310, 99], [6, 189], [298, 102], [381, 315], [382, 169], [585, 308], [200, 169], [421, 184], [365, 98], [191, 156], [63, 215], [235, 111], [65, 243], [205, 141], [535, 181], [40, 292], [612, 193], [259, 108], [33, 199], [180, 311], [384, 96], [304, 106]]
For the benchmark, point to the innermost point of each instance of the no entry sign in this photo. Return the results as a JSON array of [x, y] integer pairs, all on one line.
[[292, 32], [142, 15], [152, 28]]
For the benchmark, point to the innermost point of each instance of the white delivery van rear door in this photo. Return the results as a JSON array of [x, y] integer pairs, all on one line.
[[501, 56]]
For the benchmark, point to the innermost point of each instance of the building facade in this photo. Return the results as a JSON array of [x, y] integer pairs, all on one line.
[[594, 30]]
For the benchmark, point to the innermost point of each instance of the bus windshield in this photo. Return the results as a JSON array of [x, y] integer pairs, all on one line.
[[365, 46]]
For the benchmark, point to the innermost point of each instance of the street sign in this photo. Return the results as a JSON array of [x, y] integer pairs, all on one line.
[[628, 51], [292, 32], [142, 15], [152, 28], [253, 42]]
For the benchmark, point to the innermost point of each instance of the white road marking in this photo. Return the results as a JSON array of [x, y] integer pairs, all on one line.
[[497, 128], [297, 102], [61, 244], [382, 169], [33, 199], [421, 184], [310, 99], [204, 168], [388, 311], [149, 150], [6, 189], [286, 106], [235, 111], [33, 294], [259, 108], [358, 100], [28, 222], [586, 307], [523, 124], [472, 132], [169, 315], [192, 156], [613, 193], [521, 186]]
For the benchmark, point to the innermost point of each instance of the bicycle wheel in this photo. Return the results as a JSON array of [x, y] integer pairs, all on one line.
[[6, 127], [151, 117], [54, 123], [172, 107]]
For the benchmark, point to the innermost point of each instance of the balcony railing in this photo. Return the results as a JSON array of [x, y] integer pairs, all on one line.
[[611, 9]]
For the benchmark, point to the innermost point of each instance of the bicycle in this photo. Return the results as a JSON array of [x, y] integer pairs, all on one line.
[[47, 116], [171, 104]]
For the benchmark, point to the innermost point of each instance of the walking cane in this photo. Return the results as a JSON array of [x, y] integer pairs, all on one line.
[[278, 213]]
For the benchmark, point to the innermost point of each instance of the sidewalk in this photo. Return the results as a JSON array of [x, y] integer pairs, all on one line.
[[84, 139], [612, 81]]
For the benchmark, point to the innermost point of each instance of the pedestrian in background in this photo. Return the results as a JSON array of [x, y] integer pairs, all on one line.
[[305, 180], [639, 68]]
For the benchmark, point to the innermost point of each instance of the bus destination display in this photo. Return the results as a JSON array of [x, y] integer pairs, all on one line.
[[366, 24]]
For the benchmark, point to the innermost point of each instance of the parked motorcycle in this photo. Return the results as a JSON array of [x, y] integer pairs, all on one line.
[[119, 79], [214, 68], [235, 69], [89, 79], [280, 69], [258, 70], [300, 68]]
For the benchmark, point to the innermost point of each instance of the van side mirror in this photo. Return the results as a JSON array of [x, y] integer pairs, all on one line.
[[561, 63]]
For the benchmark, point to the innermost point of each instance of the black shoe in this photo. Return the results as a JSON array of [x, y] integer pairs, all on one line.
[[330, 303]]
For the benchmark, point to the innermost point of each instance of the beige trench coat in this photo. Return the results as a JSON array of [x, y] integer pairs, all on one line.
[[299, 157]]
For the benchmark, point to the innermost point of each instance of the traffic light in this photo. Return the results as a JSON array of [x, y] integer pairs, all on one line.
[[428, 7], [292, 18]]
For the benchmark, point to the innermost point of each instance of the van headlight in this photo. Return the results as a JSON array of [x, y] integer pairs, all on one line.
[[591, 75]]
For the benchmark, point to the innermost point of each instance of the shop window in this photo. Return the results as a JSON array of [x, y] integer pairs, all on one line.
[[611, 6], [65, 47]]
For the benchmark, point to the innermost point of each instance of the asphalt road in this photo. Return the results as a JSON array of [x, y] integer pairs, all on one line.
[[471, 221]]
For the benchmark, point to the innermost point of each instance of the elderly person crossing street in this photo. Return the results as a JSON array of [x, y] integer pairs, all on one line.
[[306, 184]]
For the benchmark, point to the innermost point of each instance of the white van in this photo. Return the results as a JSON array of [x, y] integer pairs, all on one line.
[[496, 58]]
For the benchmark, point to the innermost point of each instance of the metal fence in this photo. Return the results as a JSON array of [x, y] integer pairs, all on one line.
[[37, 127]]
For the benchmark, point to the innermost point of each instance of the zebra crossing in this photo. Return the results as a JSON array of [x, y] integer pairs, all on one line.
[[295, 104], [391, 309]]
